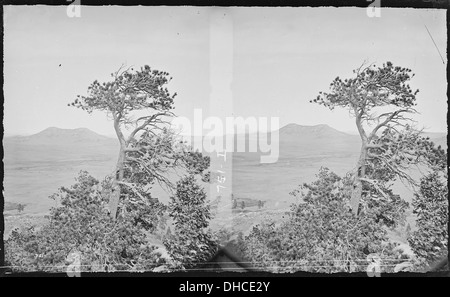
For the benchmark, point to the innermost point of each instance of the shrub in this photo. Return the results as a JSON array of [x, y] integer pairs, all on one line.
[[81, 223], [192, 242], [430, 240], [321, 234]]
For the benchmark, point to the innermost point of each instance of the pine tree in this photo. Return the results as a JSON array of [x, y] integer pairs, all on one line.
[[430, 241], [192, 242], [380, 95]]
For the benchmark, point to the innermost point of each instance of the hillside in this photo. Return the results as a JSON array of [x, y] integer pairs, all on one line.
[[58, 136], [325, 139], [291, 131], [297, 140], [302, 151], [37, 165]]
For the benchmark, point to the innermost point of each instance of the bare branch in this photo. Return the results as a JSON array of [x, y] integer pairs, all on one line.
[[393, 115], [146, 123]]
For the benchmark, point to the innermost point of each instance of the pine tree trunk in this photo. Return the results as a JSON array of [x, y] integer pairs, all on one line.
[[115, 195], [357, 184]]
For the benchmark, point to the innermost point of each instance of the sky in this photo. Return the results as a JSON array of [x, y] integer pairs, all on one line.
[[249, 62]]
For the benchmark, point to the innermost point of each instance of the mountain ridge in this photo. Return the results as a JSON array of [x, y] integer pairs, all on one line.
[[290, 132], [314, 130], [54, 135]]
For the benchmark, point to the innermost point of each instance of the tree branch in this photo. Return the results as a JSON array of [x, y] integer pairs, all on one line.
[[146, 123], [389, 118], [132, 187]]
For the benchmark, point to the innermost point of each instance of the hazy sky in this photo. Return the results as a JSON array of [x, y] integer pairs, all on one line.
[[282, 58]]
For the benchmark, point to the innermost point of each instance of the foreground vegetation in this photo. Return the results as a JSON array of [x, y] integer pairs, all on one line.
[[340, 224]]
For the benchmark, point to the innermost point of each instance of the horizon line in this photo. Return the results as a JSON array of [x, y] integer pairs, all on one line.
[[350, 132]]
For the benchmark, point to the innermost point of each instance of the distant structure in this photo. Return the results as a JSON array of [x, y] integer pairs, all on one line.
[[260, 204], [20, 207]]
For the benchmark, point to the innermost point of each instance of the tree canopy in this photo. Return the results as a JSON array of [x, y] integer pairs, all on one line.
[[320, 234], [81, 223], [379, 98], [138, 101], [192, 241], [430, 204]]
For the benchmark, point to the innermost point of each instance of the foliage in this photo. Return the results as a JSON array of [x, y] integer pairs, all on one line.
[[81, 224], [154, 156], [378, 98], [192, 242], [430, 203], [238, 245], [390, 157], [234, 243], [394, 152], [150, 153], [371, 87], [223, 235], [320, 234], [129, 92]]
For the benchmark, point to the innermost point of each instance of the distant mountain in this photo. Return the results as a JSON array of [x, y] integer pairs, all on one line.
[[55, 136], [292, 131], [320, 134], [297, 140]]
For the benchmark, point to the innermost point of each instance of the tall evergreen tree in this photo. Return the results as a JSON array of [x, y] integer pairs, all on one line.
[[380, 99], [192, 241], [430, 241]]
